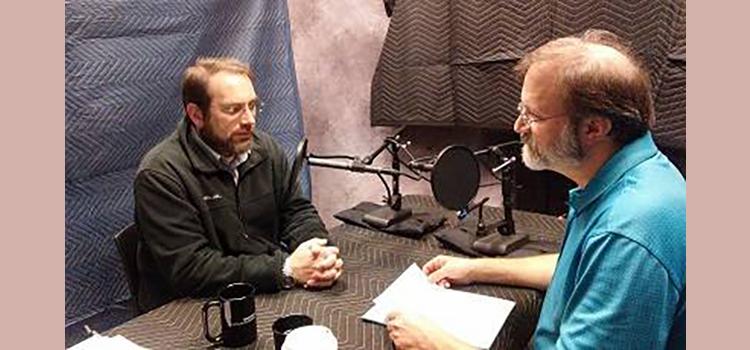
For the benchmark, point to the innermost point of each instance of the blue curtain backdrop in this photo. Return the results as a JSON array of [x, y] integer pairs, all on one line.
[[123, 64]]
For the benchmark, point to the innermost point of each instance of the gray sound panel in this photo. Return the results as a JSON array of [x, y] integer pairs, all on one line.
[[476, 43], [123, 65]]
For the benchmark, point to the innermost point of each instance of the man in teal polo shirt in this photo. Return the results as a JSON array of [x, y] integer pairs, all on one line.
[[619, 279]]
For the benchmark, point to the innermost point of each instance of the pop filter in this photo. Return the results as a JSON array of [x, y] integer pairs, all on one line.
[[455, 177]]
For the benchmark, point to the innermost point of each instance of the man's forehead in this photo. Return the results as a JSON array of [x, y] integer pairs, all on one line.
[[541, 91], [231, 86], [541, 79]]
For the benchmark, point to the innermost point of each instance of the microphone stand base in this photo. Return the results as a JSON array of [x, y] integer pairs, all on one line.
[[459, 239], [497, 244], [386, 216]]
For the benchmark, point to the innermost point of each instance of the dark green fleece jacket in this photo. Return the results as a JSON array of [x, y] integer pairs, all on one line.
[[200, 231]]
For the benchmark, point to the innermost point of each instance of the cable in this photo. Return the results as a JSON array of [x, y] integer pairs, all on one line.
[[387, 188]]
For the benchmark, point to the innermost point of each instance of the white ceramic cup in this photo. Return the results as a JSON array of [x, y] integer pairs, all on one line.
[[313, 337]]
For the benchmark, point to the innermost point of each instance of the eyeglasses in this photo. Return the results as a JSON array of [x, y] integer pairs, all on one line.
[[528, 117], [236, 109]]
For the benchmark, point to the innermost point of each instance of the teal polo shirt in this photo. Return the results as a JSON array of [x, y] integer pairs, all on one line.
[[619, 282]]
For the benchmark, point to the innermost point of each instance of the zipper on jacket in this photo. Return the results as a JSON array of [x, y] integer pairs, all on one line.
[[238, 207], [270, 245]]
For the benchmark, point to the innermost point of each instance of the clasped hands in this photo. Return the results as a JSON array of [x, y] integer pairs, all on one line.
[[315, 265]]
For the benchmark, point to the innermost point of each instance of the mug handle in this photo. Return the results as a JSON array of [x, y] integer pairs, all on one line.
[[206, 332]]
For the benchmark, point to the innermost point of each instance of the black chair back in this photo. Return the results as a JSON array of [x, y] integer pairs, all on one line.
[[127, 245]]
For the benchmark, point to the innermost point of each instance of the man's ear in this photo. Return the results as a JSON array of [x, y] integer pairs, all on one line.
[[595, 129], [195, 114]]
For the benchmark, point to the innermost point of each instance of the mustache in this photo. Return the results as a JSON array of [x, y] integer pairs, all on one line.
[[525, 138]]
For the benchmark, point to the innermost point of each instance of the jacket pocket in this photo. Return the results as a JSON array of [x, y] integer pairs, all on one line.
[[259, 214], [228, 226]]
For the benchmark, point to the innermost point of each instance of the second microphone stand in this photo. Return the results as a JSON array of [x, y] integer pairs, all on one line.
[[481, 238], [506, 240]]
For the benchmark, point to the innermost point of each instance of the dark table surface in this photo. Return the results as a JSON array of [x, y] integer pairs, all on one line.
[[372, 260]]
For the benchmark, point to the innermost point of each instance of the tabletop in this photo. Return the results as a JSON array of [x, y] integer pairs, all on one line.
[[372, 260]]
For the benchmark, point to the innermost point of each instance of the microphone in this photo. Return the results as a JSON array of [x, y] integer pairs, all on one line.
[[355, 166], [426, 167], [498, 148], [500, 167]]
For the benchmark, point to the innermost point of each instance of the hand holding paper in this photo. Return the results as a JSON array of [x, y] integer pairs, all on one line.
[[472, 318]]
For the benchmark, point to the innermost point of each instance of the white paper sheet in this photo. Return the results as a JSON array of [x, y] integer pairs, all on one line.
[[100, 342], [475, 319]]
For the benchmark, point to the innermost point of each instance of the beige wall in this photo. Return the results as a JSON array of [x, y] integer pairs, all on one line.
[[336, 46]]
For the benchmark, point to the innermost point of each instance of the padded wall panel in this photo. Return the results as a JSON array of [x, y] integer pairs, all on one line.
[[123, 62], [423, 37], [488, 37], [424, 94], [670, 128], [411, 80], [671, 125], [483, 31], [486, 94], [646, 24]]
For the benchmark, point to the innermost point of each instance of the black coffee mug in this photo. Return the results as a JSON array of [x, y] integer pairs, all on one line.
[[284, 325], [236, 303]]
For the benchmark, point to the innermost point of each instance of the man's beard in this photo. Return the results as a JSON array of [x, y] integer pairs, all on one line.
[[224, 147], [566, 152]]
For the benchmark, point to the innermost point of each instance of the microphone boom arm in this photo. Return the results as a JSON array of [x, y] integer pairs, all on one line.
[[355, 166]]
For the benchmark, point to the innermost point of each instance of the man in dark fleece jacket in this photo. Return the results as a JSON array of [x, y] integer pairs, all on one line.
[[216, 204]]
